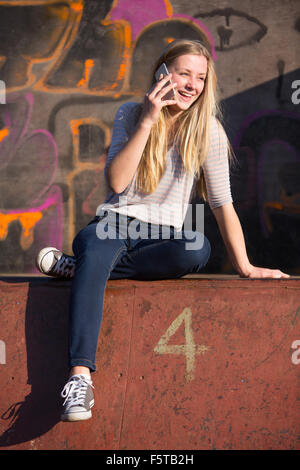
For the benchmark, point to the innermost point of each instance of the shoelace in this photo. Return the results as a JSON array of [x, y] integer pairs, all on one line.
[[65, 266], [74, 391]]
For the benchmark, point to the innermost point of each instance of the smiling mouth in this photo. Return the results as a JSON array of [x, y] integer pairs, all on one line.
[[185, 96]]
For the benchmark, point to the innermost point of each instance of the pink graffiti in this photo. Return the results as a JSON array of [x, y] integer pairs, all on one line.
[[146, 12], [275, 152], [28, 165]]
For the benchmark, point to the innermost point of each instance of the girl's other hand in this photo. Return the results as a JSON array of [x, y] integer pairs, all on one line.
[[263, 273]]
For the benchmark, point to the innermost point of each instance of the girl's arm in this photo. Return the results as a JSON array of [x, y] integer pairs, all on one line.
[[123, 166], [232, 234]]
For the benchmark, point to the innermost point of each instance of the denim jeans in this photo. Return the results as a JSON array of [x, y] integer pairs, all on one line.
[[122, 254]]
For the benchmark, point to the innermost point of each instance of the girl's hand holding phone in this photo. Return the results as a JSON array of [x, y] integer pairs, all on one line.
[[154, 102]]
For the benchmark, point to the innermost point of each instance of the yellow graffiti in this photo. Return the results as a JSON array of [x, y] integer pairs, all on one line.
[[27, 221], [189, 349]]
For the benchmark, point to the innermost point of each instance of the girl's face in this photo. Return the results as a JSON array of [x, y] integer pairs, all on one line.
[[189, 72]]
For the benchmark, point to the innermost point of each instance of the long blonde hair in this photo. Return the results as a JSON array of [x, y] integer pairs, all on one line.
[[192, 136]]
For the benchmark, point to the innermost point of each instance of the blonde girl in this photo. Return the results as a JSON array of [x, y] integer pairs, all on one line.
[[161, 152]]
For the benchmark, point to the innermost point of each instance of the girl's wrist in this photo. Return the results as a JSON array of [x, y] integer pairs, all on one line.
[[245, 270], [145, 123]]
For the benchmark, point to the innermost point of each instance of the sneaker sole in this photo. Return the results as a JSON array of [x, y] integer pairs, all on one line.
[[81, 416], [41, 255]]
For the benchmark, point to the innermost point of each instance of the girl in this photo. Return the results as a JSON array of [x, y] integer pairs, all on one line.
[[160, 152]]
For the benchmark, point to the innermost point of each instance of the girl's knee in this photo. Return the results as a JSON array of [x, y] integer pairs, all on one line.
[[84, 239], [202, 255], [191, 253], [197, 251]]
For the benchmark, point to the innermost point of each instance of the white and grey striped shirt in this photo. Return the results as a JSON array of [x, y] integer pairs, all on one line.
[[168, 204]]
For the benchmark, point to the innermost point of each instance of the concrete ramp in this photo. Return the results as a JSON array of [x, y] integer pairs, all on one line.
[[194, 363]]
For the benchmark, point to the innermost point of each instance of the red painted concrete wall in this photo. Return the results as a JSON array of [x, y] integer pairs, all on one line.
[[185, 364]]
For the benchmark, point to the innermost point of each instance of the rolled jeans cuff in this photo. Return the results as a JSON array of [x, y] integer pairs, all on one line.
[[83, 362]]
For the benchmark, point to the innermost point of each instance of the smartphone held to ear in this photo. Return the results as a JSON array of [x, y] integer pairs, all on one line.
[[162, 69]]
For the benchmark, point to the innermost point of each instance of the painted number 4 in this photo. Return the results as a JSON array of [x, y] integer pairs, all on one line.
[[189, 349]]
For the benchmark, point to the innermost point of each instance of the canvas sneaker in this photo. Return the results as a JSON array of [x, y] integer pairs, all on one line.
[[79, 398], [53, 262]]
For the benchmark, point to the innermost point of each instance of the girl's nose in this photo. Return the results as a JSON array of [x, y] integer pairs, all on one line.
[[190, 84]]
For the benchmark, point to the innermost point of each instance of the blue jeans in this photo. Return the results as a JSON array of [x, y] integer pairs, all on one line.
[[122, 255]]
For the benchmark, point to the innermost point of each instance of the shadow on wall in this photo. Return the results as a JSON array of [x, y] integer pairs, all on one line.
[[263, 126], [46, 327]]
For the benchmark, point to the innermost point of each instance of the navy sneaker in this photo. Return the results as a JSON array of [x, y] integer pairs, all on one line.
[[53, 262]]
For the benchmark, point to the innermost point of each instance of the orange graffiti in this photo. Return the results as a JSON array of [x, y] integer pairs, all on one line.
[[169, 8], [124, 66], [27, 221], [120, 39], [4, 133], [121, 34], [168, 40], [288, 204], [61, 35], [80, 166], [76, 6], [88, 65]]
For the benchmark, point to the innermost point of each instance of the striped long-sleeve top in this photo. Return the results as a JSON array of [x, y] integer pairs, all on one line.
[[168, 204]]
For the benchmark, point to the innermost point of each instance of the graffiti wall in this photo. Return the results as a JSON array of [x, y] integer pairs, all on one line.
[[66, 67]]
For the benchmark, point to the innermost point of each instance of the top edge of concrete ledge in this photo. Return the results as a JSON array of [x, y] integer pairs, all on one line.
[[210, 277]]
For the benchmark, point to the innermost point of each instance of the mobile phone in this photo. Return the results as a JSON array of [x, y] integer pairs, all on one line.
[[162, 69]]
